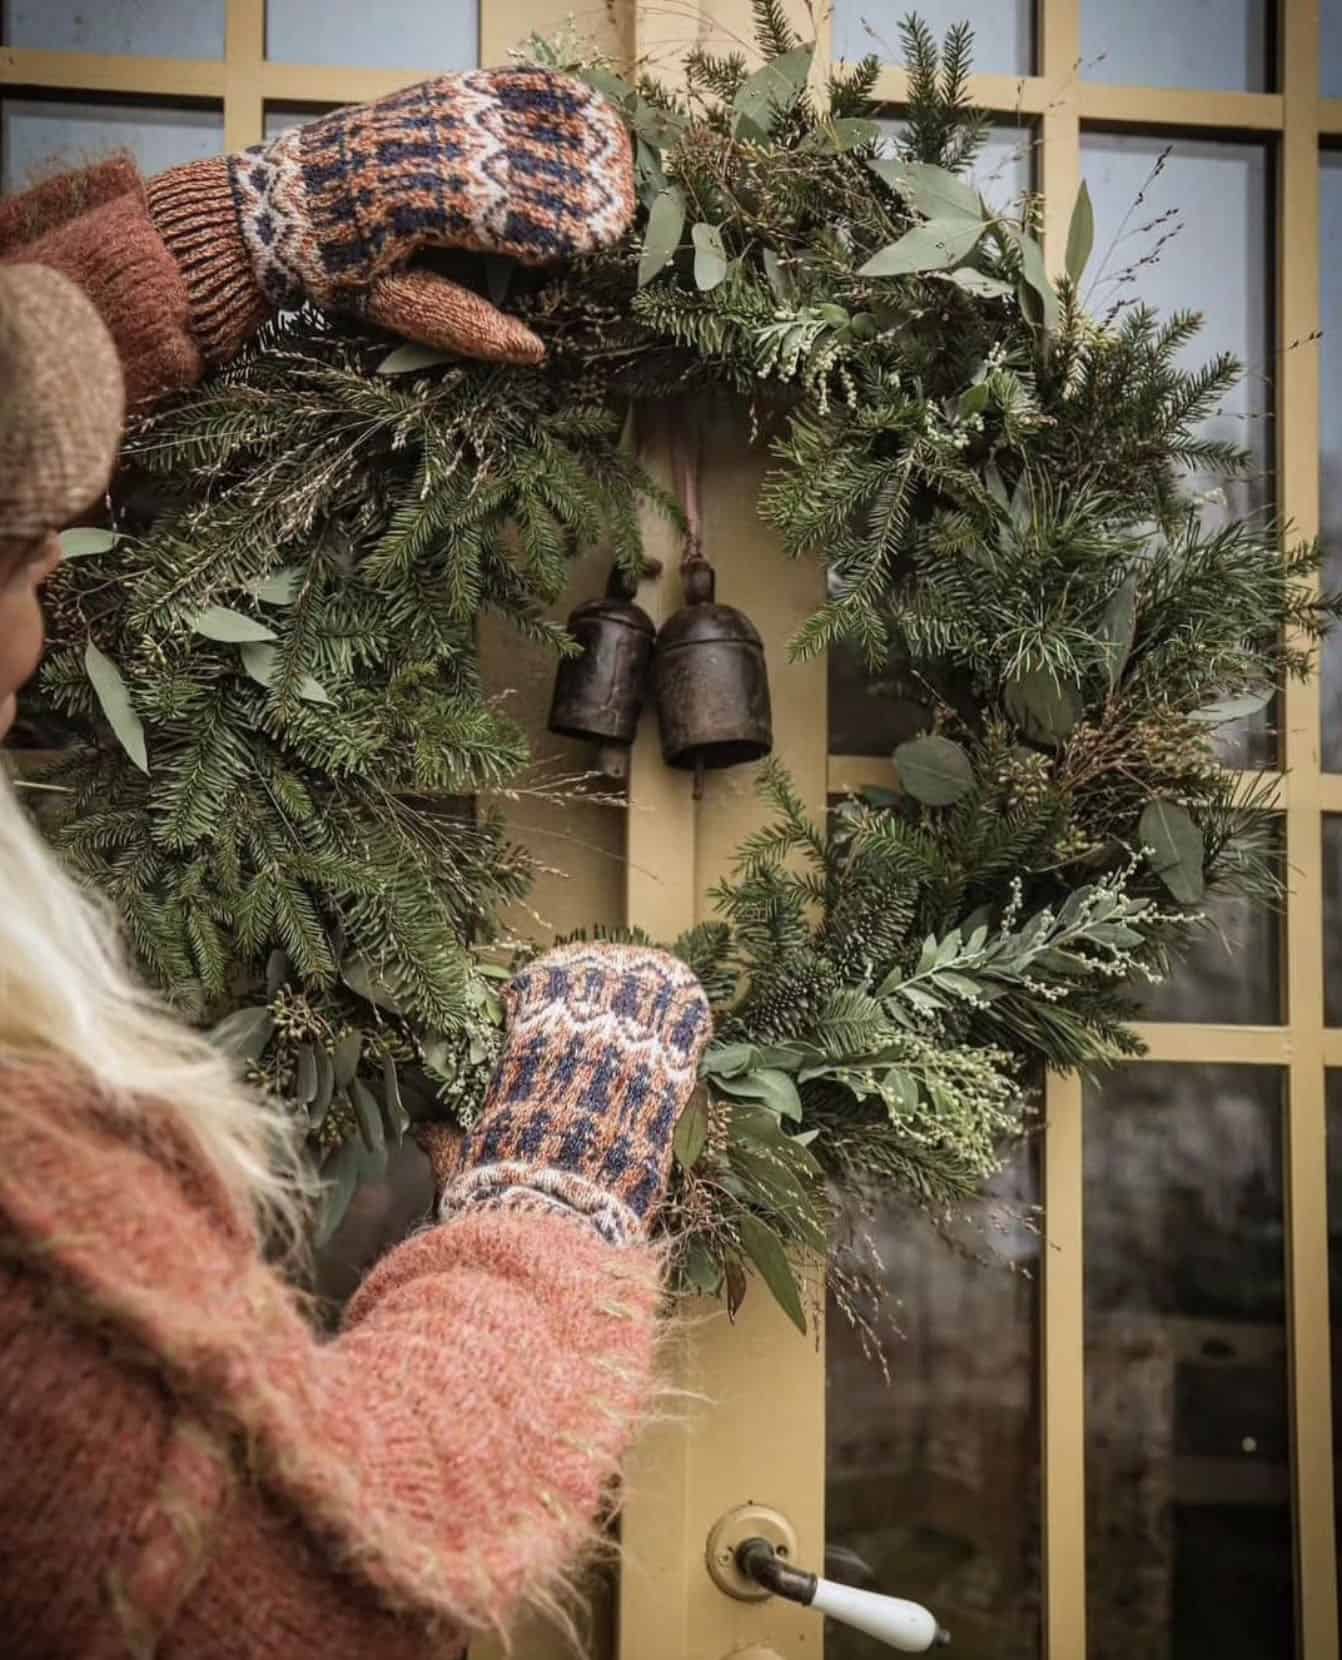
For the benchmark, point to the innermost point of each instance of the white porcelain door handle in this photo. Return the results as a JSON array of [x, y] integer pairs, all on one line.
[[906, 1627]]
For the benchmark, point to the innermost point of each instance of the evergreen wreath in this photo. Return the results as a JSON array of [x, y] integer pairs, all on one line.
[[266, 665]]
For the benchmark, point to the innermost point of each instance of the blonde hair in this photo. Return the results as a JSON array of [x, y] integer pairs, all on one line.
[[67, 993]]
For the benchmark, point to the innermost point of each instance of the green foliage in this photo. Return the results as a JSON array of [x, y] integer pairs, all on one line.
[[268, 664]]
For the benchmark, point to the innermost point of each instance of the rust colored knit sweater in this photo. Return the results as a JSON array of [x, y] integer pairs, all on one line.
[[187, 1471]]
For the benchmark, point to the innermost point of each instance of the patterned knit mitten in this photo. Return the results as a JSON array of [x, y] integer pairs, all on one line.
[[602, 1055], [523, 162]]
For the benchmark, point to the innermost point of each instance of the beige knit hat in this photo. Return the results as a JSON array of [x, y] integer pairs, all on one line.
[[61, 402]]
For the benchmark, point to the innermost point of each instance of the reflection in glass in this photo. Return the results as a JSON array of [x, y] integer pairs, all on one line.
[[1332, 919], [37, 136], [1188, 1494], [1211, 194], [1222, 45], [1330, 420], [1003, 30], [933, 1479], [1233, 973], [395, 34], [1334, 1111], [145, 28], [281, 117], [1330, 42]]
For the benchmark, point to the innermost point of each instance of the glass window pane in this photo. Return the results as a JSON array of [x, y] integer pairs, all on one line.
[[1220, 44], [1332, 919], [933, 1479], [281, 117], [143, 28], [1232, 974], [1003, 30], [37, 137], [1330, 418], [1188, 1485], [1185, 225], [1330, 42], [868, 711], [1334, 1111], [396, 34]]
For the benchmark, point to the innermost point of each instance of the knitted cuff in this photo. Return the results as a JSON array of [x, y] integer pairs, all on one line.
[[115, 254], [193, 210], [540, 1189]]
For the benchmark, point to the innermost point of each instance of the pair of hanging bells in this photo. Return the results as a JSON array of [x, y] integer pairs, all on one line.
[[712, 686]]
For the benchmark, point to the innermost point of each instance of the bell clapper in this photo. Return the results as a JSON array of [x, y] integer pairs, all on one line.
[[699, 776]]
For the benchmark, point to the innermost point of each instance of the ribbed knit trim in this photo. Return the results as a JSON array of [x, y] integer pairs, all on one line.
[[517, 1185], [192, 209]]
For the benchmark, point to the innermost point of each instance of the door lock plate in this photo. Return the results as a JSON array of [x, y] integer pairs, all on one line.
[[730, 1532]]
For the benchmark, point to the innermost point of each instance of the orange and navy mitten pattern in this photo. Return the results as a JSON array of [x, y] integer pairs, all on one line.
[[602, 1055]]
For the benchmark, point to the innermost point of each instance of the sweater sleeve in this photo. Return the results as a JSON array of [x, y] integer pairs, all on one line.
[[486, 1386], [94, 228], [261, 1492]]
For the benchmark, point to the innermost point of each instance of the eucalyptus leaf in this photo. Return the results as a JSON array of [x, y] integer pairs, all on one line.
[[244, 1034], [936, 193], [848, 132], [393, 1108], [900, 1091], [277, 970], [217, 622], [699, 1272], [651, 175], [1080, 234], [1036, 276], [666, 220], [260, 662], [345, 1059], [935, 771], [75, 544], [1177, 849], [1045, 709], [655, 124], [1118, 629], [723, 1059], [305, 1075], [607, 83], [779, 281], [710, 257], [978, 282], [406, 359], [340, 1177], [774, 1088], [321, 1100], [1227, 709], [735, 1284], [114, 700], [774, 89], [363, 979], [764, 1248], [929, 247], [691, 1132], [367, 1114]]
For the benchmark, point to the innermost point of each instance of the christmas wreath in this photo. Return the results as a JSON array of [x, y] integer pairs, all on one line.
[[267, 670]]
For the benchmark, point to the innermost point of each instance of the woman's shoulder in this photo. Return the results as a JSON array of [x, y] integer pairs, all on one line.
[[85, 1176]]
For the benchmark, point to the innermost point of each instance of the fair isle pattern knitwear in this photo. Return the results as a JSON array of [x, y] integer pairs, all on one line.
[[521, 162], [602, 1055]]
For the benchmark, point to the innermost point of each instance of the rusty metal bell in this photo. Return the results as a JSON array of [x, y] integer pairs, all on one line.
[[598, 694], [712, 684]]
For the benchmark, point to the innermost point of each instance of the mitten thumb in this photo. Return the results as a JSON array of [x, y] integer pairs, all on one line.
[[422, 306], [445, 1149]]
